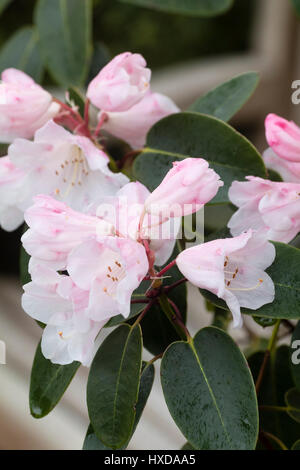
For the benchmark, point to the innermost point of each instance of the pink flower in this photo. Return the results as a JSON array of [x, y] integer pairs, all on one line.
[[124, 212], [110, 269], [267, 206], [11, 180], [120, 84], [185, 189], [233, 269], [55, 229], [283, 137], [66, 166], [55, 300], [289, 171], [24, 106], [133, 125]]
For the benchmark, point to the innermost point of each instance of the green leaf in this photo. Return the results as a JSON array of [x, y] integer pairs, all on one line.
[[184, 135], [48, 383], [21, 52], [92, 442], [276, 381], [296, 4], [210, 393], [225, 100], [294, 355], [101, 57], [264, 322], [113, 385], [285, 273], [4, 4], [204, 8], [292, 400], [65, 28], [24, 260]]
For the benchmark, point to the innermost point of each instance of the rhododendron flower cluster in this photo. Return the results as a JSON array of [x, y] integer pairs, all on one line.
[[95, 236]]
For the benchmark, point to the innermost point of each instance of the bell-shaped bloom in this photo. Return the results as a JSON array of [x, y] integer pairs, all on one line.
[[110, 269], [185, 189], [24, 106], [55, 300], [289, 171], [233, 269], [270, 207], [133, 125], [66, 166], [125, 211], [122, 83], [55, 229], [11, 179], [283, 137]]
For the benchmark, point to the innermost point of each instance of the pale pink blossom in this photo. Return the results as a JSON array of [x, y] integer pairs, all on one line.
[[66, 166], [110, 269], [55, 229], [283, 137], [270, 207], [121, 84], [11, 179], [125, 211], [55, 300], [133, 125], [233, 269], [289, 171], [24, 106], [185, 189]]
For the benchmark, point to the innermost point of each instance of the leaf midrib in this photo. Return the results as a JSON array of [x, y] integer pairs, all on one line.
[[214, 400]]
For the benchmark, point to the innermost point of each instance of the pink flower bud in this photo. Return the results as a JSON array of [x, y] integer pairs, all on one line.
[[185, 189], [24, 106], [120, 84], [133, 125], [284, 137]]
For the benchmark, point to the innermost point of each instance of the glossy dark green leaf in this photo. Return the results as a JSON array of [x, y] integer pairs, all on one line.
[[292, 400], [24, 260], [184, 135], [101, 57], [158, 331], [92, 442], [285, 273], [186, 7], [227, 99], [210, 393], [48, 383], [65, 37], [4, 4], [265, 322], [21, 51], [277, 380], [113, 386]]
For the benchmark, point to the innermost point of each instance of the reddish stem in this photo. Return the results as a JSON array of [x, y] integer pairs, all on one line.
[[166, 268], [176, 284], [102, 120]]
